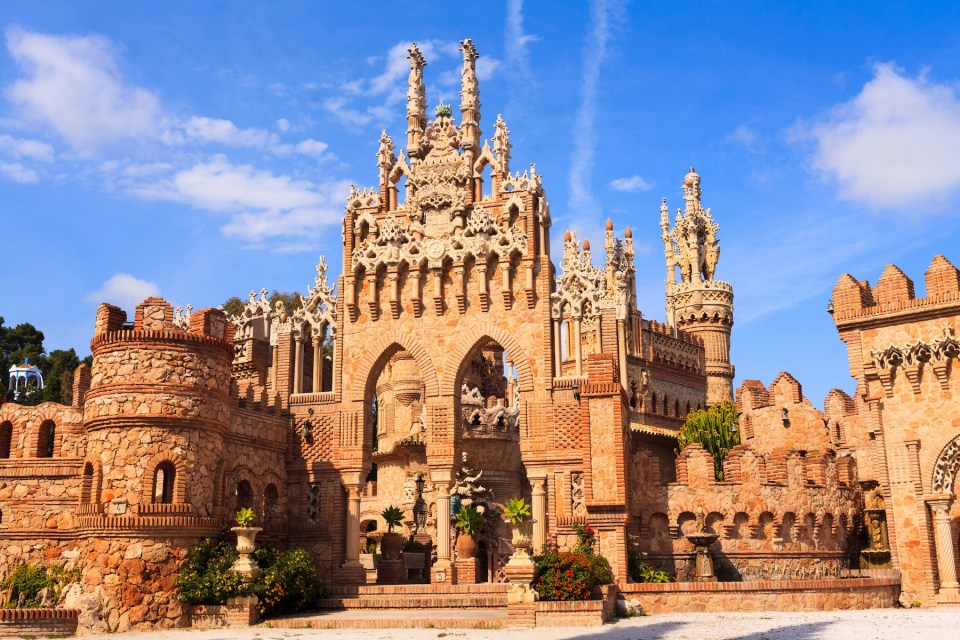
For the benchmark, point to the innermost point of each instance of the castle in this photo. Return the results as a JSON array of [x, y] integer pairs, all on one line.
[[451, 362]]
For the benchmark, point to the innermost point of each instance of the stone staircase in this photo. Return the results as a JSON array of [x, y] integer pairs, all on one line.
[[472, 606]]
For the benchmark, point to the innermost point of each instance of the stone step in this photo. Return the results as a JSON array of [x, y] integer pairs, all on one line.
[[416, 601], [417, 589], [396, 619]]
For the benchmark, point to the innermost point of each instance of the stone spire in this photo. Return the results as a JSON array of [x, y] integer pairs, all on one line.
[[385, 157], [501, 144], [416, 101], [698, 303], [469, 101]]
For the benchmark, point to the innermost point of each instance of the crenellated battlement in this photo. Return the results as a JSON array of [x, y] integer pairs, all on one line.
[[894, 293]]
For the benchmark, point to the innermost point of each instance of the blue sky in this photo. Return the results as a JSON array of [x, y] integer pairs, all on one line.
[[201, 150]]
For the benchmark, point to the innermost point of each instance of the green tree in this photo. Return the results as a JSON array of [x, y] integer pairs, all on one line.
[[58, 379], [291, 300], [25, 342], [715, 428]]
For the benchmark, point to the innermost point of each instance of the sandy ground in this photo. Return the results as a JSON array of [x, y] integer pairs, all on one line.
[[875, 624]]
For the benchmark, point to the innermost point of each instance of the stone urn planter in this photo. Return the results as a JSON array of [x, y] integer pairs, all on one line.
[[245, 564], [522, 536], [391, 545], [466, 546]]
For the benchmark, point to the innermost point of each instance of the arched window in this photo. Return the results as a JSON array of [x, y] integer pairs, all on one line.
[[676, 408], [6, 437], [244, 495], [665, 406], [86, 488], [163, 479], [46, 439], [653, 404], [271, 504]]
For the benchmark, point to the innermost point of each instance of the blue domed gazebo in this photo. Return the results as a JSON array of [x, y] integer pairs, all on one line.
[[23, 377]]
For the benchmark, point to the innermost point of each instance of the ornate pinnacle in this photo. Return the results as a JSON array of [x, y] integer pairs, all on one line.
[[501, 143], [385, 155], [416, 100]]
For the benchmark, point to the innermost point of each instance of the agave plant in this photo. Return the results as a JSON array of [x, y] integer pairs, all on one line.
[[393, 516], [469, 520], [516, 510]]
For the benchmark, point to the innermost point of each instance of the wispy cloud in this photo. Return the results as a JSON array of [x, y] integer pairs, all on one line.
[[259, 204], [71, 91], [517, 44], [19, 173], [73, 85], [629, 184], [377, 98], [745, 136], [894, 145], [582, 199], [124, 290]]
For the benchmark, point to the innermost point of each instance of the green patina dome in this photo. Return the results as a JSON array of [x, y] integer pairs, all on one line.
[[443, 110]]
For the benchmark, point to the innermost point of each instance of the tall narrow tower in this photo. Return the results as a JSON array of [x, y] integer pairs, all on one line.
[[698, 304]]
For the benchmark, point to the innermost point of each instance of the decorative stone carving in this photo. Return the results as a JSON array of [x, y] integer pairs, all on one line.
[[478, 419], [946, 467], [692, 243], [577, 504], [181, 317], [313, 503], [318, 309]]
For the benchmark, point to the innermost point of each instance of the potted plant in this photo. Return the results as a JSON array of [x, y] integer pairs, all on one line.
[[246, 534], [469, 521], [517, 512], [392, 543]]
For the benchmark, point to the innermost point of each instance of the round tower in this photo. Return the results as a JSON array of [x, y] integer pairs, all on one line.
[[697, 303], [156, 411]]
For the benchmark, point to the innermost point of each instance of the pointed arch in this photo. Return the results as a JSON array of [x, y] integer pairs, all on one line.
[[375, 356], [468, 341], [946, 467]]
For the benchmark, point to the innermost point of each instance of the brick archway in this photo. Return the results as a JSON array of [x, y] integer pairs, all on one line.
[[468, 342], [381, 351]]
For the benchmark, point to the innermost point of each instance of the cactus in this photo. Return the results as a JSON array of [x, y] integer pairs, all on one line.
[[715, 428]]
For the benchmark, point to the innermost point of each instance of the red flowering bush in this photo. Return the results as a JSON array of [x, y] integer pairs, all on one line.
[[572, 575]]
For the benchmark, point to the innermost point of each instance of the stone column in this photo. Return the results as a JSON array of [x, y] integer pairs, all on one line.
[[578, 346], [622, 351], [557, 350], [298, 364], [443, 523], [943, 536], [353, 528], [318, 364], [539, 505]]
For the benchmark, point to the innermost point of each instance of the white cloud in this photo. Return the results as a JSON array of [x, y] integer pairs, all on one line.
[[124, 290], [894, 144], [517, 44], [19, 173], [225, 132], [584, 136], [745, 136], [261, 205], [18, 148], [313, 148], [283, 124], [72, 84], [633, 183], [376, 98]]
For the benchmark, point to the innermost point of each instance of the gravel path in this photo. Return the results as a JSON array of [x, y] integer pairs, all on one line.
[[874, 624]]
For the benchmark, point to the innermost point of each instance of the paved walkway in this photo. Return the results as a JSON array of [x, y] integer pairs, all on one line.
[[874, 624]]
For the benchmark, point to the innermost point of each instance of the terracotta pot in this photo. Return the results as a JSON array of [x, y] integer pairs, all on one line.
[[466, 547], [245, 538], [391, 545]]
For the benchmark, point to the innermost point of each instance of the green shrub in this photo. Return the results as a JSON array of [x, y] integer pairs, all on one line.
[[27, 581], [640, 571], [469, 520], [206, 577], [288, 580], [715, 428], [572, 575]]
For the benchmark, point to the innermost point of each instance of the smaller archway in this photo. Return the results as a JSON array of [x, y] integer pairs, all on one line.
[[271, 504], [164, 478], [6, 438], [46, 439], [244, 495]]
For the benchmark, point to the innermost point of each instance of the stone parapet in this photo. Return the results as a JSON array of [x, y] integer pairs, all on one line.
[[764, 595], [24, 623]]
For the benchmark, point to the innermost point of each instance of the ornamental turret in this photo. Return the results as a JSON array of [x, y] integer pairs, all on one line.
[[699, 304]]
